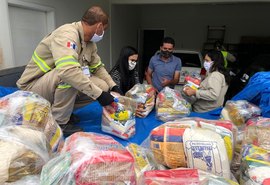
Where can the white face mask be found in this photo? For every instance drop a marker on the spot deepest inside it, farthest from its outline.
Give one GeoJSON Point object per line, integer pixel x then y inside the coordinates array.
{"type": "Point", "coordinates": [97, 37]}
{"type": "Point", "coordinates": [131, 65]}
{"type": "Point", "coordinates": [207, 65]}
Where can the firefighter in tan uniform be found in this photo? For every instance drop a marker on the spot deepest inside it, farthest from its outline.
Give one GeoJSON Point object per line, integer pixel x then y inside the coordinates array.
{"type": "Point", "coordinates": [65, 64]}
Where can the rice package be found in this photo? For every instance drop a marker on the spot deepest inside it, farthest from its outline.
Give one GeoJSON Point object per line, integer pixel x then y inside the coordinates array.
{"type": "Point", "coordinates": [23, 152]}
{"type": "Point", "coordinates": [239, 111]}
{"type": "Point", "coordinates": [144, 95]}
{"type": "Point", "coordinates": [119, 118]}
{"type": "Point", "coordinates": [166, 140]}
{"type": "Point", "coordinates": [166, 143]}
{"type": "Point", "coordinates": [225, 129]}
{"type": "Point", "coordinates": [170, 105]}
{"type": "Point", "coordinates": [31, 110]}
{"type": "Point", "coordinates": [90, 159]}
{"type": "Point", "coordinates": [205, 150]}
{"type": "Point", "coordinates": [184, 176]}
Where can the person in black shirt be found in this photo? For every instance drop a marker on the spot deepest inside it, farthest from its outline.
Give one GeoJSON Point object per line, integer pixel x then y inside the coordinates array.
{"type": "Point", "coordinates": [125, 73]}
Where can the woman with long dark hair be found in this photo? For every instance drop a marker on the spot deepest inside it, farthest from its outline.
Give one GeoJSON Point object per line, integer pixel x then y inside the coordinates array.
{"type": "Point", "coordinates": [213, 88]}
{"type": "Point", "coordinates": [125, 73]}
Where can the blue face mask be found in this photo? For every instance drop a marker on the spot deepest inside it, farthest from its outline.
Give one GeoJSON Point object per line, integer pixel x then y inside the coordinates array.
{"type": "Point", "coordinates": [96, 37]}
{"type": "Point", "coordinates": [207, 65]}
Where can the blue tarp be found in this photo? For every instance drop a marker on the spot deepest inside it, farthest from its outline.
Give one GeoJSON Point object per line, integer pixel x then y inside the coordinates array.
{"type": "Point", "coordinates": [257, 91]}
{"type": "Point", "coordinates": [90, 117]}
{"type": "Point", "coordinates": [7, 90]}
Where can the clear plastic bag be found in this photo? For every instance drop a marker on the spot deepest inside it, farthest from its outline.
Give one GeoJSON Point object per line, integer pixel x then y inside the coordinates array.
{"type": "Point", "coordinates": [257, 132]}
{"type": "Point", "coordinates": [255, 163]}
{"type": "Point", "coordinates": [144, 95]}
{"type": "Point", "coordinates": [27, 180]}
{"type": "Point", "coordinates": [167, 143]}
{"type": "Point", "coordinates": [194, 83]}
{"type": "Point", "coordinates": [23, 152]}
{"type": "Point", "coordinates": [184, 176]}
{"type": "Point", "coordinates": [119, 117]}
{"type": "Point", "coordinates": [33, 111]}
{"type": "Point", "coordinates": [254, 171]}
{"type": "Point", "coordinates": [239, 111]}
{"type": "Point", "coordinates": [89, 158]}
{"type": "Point", "coordinates": [258, 175]}
{"type": "Point", "coordinates": [144, 160]}
{"type": "Point", "coordinates": [170, 105]}
{"type": "Point", "coordinates": [206, 150]}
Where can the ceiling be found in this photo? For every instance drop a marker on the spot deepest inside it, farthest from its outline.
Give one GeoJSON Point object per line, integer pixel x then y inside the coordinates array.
{"type": "Point", "coordinates": [185, 1]}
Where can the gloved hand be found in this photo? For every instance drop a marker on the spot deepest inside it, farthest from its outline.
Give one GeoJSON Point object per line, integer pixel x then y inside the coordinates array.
{"type": "Point", "coordinates": [105, 98]}
{"type": "Point", "coordinates": [117, 89]}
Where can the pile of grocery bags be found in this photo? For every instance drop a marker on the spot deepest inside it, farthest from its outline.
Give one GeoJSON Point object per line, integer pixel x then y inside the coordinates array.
{"type": "Point", "coordinates": [182, 150]}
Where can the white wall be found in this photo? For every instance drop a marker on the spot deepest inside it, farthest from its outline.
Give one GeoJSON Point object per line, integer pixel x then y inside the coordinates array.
{"type": "Point", "coordinates": [66, 11]}
{"type": "Point", "coordinates": [124, 25]}
{"type": "Point", "coordinates": [185, 22]}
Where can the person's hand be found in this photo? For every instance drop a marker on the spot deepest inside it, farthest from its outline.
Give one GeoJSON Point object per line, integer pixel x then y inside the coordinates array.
{"type": "Point", "coordinates": [109, 109]}
{"type": "Point", "coordinates": [117, 90]}
{"type": "Point", "coordinates": [189, 91]}
{"type": "Point", "coordinates": [140, 110]}
{"type": "Point", "coordinates": [156, 90]}
{"type": "Point", "coordinates": [165, 82]}
{"type": "Point", "coordinates": [105, 98]}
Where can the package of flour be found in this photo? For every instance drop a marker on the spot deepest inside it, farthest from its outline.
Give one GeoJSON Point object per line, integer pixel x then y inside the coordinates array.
{"type": "Point", "coordinates": [205, 150]}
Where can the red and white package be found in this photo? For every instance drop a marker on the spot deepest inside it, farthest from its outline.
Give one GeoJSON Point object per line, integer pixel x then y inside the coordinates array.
{"type": "Point", "coordinates": [172, 177]}
{"type": "Point", "coordinates": [91, 159]}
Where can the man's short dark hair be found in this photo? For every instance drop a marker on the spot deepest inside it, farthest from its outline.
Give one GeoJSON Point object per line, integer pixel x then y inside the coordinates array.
{"type": "Point", "coordinates": [218, 44]}
{"type": "Point", "coordinates": [167, 40]}
{"type": "Point", "coordinates": [94, 15]}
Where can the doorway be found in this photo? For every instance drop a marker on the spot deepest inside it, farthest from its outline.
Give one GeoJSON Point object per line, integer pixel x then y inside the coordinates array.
{"type": "Point", "coordinates": [148, 44]}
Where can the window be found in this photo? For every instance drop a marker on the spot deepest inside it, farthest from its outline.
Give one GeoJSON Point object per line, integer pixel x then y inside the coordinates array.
{"type": "Point", "coordinates": [189, 59]}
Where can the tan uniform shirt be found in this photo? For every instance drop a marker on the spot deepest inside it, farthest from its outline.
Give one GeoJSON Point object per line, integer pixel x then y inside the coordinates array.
{"type": "Point", "coordinates": [211, 93]}
{"type": "Point", "coordinates": [66, 42]}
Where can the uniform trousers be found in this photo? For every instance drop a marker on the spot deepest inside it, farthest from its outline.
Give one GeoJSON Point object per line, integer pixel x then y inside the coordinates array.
{"type": "Point", "coordinates": [63, 100]}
